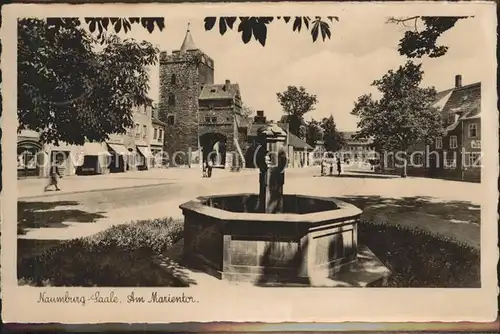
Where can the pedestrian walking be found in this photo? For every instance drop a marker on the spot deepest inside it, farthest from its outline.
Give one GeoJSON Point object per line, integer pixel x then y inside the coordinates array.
{"type": "Point", "coordinates": [323, 166]}
{"type": "Point", "coordinates": [204, 169]}
{"type": "Point", "coordinates": [210, 167]}
{"type": "Point", "coordinates": [339, 166]}
{"type": "Point", "coordinates": [331, 167]}
{"type": "Point", "coordinates": [54, 175]}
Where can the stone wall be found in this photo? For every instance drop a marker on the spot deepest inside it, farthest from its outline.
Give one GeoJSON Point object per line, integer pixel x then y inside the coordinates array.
{"type": "Point", "coordinates": [181, 77]}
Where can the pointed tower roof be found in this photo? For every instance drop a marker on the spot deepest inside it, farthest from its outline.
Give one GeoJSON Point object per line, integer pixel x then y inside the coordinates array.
{"type": "Point", "coordinates": [188, 43]}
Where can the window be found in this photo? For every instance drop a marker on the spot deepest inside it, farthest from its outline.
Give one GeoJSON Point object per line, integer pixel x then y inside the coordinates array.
{"type": "Point", "coordinates": [155, 136]}
{"type": "Point", "coordinates": [170, 120]}
{"type": "Point", "coordinates": [171, 100]}
{"type": "Point", "coordinates": [474, 160]}
{"type": "Point", "coordinates": [160, 137]}
{"type": "Point", "coordinates": [145, 131]}
{"type": "Point", "coordinates": [453, 142]}
{"type": "Point", "coordinates": [214, 119]}
{"type": "Point", "coordinates": [451, 117]}
{"type": "Point", "coordinates": [137, 129]}
{"type": "Point", "coordinates": [473, 130]}
{"type": "Point", "coordinates": [173, 79]}
{"type": "Point", "coordinates": [439, 142]}
{"type": "Point", "coordinates": [450, 163]}
{"type": "Point", "coordinates": [207, 119]}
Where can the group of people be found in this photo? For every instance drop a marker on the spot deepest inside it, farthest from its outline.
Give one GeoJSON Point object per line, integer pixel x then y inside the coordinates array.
{"type": "Point", "coordinates": [324, 166]}
{"type": "Point", "coordinates": [207, 167]}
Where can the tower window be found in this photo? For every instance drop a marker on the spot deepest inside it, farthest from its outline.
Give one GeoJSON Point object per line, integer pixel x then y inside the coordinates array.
{"type": "Point", "coordinates": [173, 79]}
{"type": "Point", "coordinates": [171, 100]}
{"type": "Point", "coordinates": [170, 119]}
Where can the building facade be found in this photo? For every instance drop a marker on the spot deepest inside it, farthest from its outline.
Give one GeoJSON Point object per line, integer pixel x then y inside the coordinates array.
{"type": "Point", "coordinates": [357, 151]}
{"type": "Point", "coordinates": [120, 153]}
{"type": "Point", "coordinates": [457, 154]}
{"type": "Point", "coordinates": [298, 151]}
{"type": "Point", "coordinates": [157, 136]}
{"type": "Point", "coordinates": [200, 116]}
{"type": "Point", "coordinates": [131, 151]}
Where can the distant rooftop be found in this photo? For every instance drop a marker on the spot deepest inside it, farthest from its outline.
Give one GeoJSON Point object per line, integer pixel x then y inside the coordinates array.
{"type": "Point", "coordinates": [219, 91]}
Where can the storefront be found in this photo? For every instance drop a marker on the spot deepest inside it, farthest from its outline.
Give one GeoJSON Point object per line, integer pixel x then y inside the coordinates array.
{"type": "Point", "coordinates": [121, 158]}
{"type": "Point", "coordinates": [95, 159]}
{"type": "Point", "coordinates": [142, 157]}
{"type": "Point", "coordinates": [30, 159]}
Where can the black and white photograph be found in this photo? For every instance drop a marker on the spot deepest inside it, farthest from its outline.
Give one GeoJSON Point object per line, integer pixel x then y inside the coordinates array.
{"type": "Point", "coordinates": [192, 151]}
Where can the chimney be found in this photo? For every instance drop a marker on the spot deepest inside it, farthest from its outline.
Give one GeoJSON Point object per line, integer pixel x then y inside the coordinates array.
{"type": "Point", "coordinates": [458, 81]}
{"type": "Point", "coordinates": [226, 85]}
{"type": "Point", "coordinates": [260, 118]}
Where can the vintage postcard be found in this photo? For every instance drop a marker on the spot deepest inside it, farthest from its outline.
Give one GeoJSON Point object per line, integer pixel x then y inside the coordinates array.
{"type": "Point", "coordinates": [270, 162]}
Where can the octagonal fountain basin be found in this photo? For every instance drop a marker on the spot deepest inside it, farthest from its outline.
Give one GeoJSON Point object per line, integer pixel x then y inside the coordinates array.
{"type": "Point", "coordinates": [228, 237]}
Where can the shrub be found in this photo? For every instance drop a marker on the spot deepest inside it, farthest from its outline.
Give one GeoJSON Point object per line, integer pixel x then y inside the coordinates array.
{"type": "Point", "coordinates": [123, 255]}
{"type": "Point", "coordinates": [418, 258]}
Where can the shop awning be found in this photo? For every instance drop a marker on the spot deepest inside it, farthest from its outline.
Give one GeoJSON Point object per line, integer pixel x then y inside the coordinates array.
{"type": "Point", "coordinates": [118, 148]}
{"type": "Point", "coordinates": [95, 149]}
{"type": "Point", "coordinates": [144, 150]}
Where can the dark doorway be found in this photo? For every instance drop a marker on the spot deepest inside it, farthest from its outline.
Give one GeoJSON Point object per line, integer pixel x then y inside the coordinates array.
{"type": "Point", "coordinates": [214, 148]}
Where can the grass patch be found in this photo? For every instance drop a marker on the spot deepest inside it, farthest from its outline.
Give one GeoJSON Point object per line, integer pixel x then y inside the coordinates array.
{"type": "Point", "coordinates": [418, 258]}
{"type": "Point", "coordinates": [123, 255]}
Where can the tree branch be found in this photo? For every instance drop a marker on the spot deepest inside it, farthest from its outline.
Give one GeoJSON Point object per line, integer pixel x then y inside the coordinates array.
{"type": "Point", "coordinates": [403, 21]}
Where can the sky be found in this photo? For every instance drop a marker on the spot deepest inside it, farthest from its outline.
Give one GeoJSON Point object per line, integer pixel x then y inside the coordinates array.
{"type": "Point", "coordinates": [338, 71]}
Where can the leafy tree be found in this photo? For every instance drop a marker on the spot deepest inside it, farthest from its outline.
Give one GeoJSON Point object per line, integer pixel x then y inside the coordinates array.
{"type": "Point", "coordinates": [403, 116]}
{"type": "Point", "coordinates": [296, 102]}
{"type": "Point", "coordinates": [417, 43]}
{"type": "Point", "coordinates": [314, 132]}
{"type": "Point", "coordinates": [68, 91]}
{"type": "Point", "coordinates": [333, 139]}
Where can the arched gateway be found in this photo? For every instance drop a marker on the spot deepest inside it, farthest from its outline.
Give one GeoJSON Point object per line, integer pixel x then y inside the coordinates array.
{"type": "Point", "coordinates": [214, 147]}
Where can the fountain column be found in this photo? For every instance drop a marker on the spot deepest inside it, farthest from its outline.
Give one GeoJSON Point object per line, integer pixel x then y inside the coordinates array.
{"type": "Point", "coordinates": [273, 160]}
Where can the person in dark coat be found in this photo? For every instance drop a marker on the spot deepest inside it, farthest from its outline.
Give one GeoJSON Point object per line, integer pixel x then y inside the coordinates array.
{"type": "Point", "coordinates": [210, 167]}
{"type": "Point", "coordinates": [54, 175]}
{"type": "Point", "coordinates": [339, 166]}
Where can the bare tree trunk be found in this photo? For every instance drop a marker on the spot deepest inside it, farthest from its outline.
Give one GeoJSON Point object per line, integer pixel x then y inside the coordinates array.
{"type": "Point", "coordinates": [405, 165]}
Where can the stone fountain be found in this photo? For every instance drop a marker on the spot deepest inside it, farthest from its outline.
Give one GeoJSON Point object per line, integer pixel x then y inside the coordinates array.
{"type": "Point", "coordinates": [272, 237]}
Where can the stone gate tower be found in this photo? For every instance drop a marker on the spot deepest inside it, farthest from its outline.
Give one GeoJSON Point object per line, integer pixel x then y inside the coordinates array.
{"type": "Point", "coordinates": [183, 74]}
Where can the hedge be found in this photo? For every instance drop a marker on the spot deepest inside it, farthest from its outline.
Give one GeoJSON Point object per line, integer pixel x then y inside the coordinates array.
{"type": "Point", "coordinates": [418, 258]}
{"type": "Point", "coordinates": [122, 255]}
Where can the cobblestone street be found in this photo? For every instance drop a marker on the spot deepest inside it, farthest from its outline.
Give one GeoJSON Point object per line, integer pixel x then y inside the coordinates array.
{"type": "Point", "coordinates": [452, 210]}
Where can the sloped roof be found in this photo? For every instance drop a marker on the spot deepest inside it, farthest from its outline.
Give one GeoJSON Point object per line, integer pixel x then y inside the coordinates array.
{"type": "Point", "coordinates": [188, 43]}
{"type": "Point", "coordinates": [293, 140]}
{"type": "Point", "coordinates": [466, 100]}
{"type": "Point", "coordinates": [218, 92]}
{"type": "Point", "coordinates": [296, 142]}
{"type": "Point", "coordinates": [349, 138]}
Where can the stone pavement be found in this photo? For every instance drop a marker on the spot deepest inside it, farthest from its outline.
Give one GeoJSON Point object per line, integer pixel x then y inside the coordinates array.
{"type": "Point", "coordinates": [30, 188]}
{"type": "Point", "coordinates": [445, 207]}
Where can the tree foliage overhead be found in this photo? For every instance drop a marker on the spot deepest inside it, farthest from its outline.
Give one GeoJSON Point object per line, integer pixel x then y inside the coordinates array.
{"type": "Point", "coordinates": [417, 43]}
{"type": "Point", "coordinates": [69, 91]}
{"type": "Point", "coordinates": [296, 102]}
{"type": "Point", "coordinates": [404, 115]}
{"type": "Point", "coordinates": [256, 26]}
